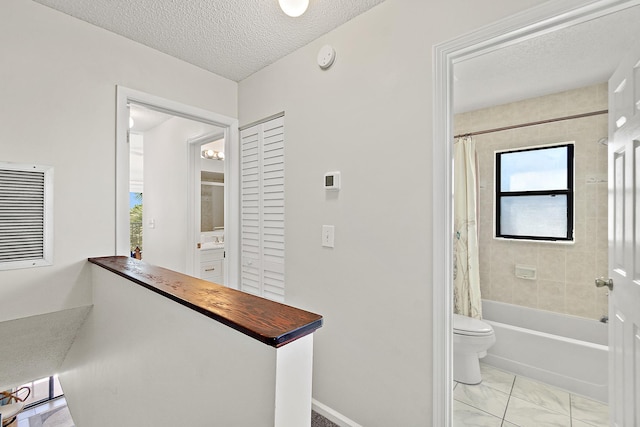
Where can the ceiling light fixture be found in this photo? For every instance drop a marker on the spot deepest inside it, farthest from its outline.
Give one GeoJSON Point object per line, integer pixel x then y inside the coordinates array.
{"type": "Point", "coordinates": [294, 8]}
{"type": "Point", "coordinates": [211, 154]}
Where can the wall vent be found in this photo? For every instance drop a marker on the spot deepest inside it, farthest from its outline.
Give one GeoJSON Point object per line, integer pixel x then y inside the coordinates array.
{"type": "Point", "coordinates": [26, 215]}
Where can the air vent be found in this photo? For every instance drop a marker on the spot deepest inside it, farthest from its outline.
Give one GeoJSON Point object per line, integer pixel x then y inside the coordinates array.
{"type": "Point", "coordinates": [25, 215]}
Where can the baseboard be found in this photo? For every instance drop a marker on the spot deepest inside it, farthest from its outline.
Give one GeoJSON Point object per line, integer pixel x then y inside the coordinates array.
{"type": "Point", "coordinates": [574, 385]}
{"type": "Point", "coordinates": [332, 415]}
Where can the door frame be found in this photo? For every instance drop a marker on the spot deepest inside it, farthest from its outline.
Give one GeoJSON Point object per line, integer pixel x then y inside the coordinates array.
{"type": "Point", "coordinates": [534, 22]}
{"type": "Point", "coordinates": [125, 96]}
{"type": "Point", "coordinates": [193, 198]}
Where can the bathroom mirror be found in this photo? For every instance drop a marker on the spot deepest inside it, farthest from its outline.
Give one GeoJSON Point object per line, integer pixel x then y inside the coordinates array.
{"type": "Point", "coordinates": [212, 201]}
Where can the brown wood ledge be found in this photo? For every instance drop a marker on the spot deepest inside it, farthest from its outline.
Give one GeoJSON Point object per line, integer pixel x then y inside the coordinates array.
{"type": "Point", "coordinates": [267, 321]}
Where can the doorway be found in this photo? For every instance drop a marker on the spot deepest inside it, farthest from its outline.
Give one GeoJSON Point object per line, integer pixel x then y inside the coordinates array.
{"type": "Point", "coordinates": [142, 124]}
{"type": "Point", "coordinates": [207, 207]}
{"type": "Point", "coordinates": [174, 174]}
{"type": "Point", "coordinates": [545, 19]}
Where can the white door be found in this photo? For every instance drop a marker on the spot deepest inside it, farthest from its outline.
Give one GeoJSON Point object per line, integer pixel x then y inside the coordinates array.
{"type": "Point", "coordinates": [624, 238]}
{"type": "Point", "coordinates": [262, 209]}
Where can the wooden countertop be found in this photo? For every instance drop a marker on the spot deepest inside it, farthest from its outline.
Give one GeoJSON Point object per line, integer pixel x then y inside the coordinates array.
{"type": "Point", "coordinates": [270, 322]}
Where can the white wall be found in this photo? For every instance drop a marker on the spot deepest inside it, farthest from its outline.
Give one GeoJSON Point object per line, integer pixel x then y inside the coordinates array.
{"type": "Point", "coordinates": [369, 116]}
{"type": "Point", "coordinates": [165, 191]}
{"type": "Point", "coordinates": [58, 92]}
{"type": "Point", "coordinates": [372, 108]}
{"type": "Point", "coordinates": [136, 162]}
{"type": "Point", "coordinates": [143, 360]}
{"type": "Point", "coordinates": [212, 165]}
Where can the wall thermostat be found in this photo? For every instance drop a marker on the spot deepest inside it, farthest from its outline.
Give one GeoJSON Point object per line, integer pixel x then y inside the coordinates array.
{"type": "Point", "coordinates": [332, 181]}
{"type": "Point", "coordinates": [326, 56]}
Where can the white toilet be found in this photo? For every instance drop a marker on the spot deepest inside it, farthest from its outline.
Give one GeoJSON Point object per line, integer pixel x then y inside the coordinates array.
{"type": "Point", "coordinates": [471, 339]}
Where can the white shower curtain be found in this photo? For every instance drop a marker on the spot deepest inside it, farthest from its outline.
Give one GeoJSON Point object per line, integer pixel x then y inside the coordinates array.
{"type": "Point", "coordinates": [466, 270]}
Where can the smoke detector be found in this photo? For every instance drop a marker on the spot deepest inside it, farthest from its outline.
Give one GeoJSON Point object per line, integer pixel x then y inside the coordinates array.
{"type": "Point", "coordinates": [326, 56]}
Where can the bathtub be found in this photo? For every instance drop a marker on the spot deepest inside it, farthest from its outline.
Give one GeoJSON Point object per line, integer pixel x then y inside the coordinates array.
{"type": "Point", "coordinates": [565, 351]}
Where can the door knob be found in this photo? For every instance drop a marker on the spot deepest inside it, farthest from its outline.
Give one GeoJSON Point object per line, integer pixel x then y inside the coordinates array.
{"type": "Point", "coordinates": [601, 281]}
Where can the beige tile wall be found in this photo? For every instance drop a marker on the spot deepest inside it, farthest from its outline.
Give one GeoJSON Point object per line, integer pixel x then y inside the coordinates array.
{"type": "Point", "coordinates": [565, 273]}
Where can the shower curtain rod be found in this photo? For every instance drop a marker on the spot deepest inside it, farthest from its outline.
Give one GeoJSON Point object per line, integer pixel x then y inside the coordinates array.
{"type": "Point", "coordinates": [540, 122]}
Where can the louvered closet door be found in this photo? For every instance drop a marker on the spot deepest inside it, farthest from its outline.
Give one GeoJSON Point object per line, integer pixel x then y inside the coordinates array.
{"type": "Point", "coordinates": [263, 209]}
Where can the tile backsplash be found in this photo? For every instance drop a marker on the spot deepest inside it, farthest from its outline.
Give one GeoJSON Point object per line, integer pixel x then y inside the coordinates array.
{"type": "Point", "coordinates": [565, 276]}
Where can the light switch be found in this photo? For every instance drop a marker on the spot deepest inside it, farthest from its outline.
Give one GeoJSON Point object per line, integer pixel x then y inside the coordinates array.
{"type": "Point", "coordinates": [328, 235]}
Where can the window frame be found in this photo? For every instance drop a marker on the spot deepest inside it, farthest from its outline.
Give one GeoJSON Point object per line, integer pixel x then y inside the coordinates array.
{"type": "Point", "coordinates": [569, 192]}
{"type": "Point", "coordinates": [51, 391]}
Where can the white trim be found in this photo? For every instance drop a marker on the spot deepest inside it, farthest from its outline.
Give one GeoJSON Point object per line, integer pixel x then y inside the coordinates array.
{"type": "Point", "coordinates": [232, 213]}
{"type": "Point", "coordinates": [193, 207]}
{"type": "Point", "coordinates": [294, 373]}
{"type": "Point", "coordinates": [47, 233]}
{"type": "Point", "coordinates": [542, 19]}
{"type": "Point", "coordinates": [332, 415]}
{"type": "Point", "coordinates": [206, 138]}
{"type": "Point", "coordinates": [124, 96]}
{"type": "Point", "coordinates": [442, 229]}
{"type": "Point", "coordinates": [263, 120]}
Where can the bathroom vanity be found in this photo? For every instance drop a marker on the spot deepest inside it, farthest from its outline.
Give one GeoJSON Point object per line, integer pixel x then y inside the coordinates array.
{"type": "Point", "coordinates": [212, 264]}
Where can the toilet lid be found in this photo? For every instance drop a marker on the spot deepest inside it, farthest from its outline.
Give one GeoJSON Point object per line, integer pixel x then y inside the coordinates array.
{"type": "Point", "coordinates": [469, 326]}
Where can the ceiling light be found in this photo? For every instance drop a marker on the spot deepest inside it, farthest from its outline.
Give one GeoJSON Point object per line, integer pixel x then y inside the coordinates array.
{"type": "Point", "coordinates": [213, 155]}
{"type": "Point", "coordinates": [294, 8]}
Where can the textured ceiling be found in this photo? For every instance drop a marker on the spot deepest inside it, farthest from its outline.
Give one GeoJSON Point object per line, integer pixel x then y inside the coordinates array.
{"type": "Point", "coordinates": [235, 38]}
{"type": "Point", "coordinates": [577, 56]}
{"type": "Point", "coordinates": [231, 38]}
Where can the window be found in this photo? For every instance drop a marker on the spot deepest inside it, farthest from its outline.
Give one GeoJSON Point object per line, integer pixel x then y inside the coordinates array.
{"type": "Point", "coordinates": [42, 391]}
{"type": "Point", "coordinates": [534, 193]}
{"type": "Point", "coordinates": [26, 215]}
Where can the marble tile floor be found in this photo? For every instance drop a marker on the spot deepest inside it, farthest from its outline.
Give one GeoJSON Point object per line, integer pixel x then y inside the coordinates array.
{"type": "Point", "coordinates": [507, 400]}
{"type": "Point", "coordinates": [501, 400]}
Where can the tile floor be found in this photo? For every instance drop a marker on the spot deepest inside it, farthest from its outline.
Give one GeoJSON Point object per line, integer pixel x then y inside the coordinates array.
{"type": "Point", "coordinates": [501, 400]}
{"type": "Point", "coordinates": [507, 400]}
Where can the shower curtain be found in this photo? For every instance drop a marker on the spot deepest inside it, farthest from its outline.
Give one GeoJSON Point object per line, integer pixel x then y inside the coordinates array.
{"type": "Point", "coordinates": [466, 273]}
